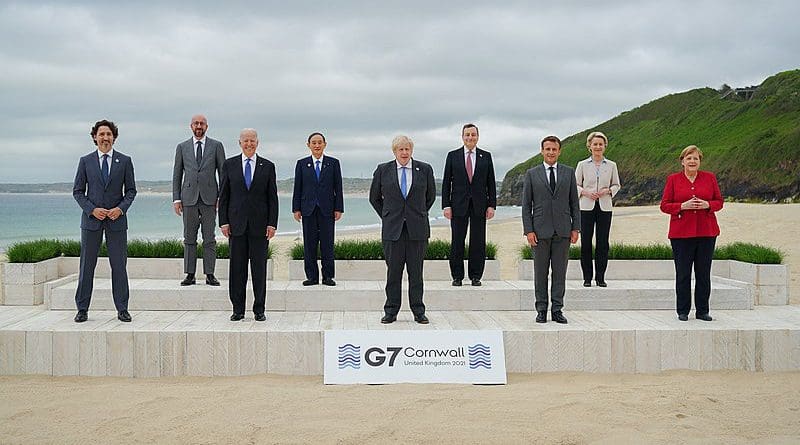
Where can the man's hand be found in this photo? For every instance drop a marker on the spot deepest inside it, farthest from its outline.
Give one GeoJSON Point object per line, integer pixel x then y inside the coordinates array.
{"type": "Point", "coordinates": [448, 213]}
{"type": "Point", "coordinates": [270, 232]}
{"type": "Point", "coordinates": [573, 236]}
{"type": "Point", "coordinates": [100, 213]}
{"type": "Point", "coordinates": [226, 230]}
{"type": "Point", "coordinates": [532, 239]}
{"type": "Point", "coordinates": [115, 213]}
{"type": "Point", "coordinates": [489, 213]}
{"type": "Point", "coordinates": [298, 216]}
{"type": "Point", "coordinates": [178, 207]}
{"type": "Point", "coordinates": [337, 216]}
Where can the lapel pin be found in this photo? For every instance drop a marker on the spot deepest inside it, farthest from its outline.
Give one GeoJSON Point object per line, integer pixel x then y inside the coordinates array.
{"type": "Point", "coordinates": [116, 160]}
{"type": "Point", "coordinates": [309, 165]}
{"type": "Point", "coordinates": [417, 169]}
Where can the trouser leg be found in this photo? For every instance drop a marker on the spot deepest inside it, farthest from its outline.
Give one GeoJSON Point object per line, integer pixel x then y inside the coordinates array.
{"type": "Point", "coordinates": [458, 235]}
{"type": "Point", "coordinates": [237, 280]}
{"type": "Point", "coordinates": [208, 223]}
{"type": "Point", "coordinates": [257, 252]}
{"type": "Point", "coordinates": [90, 248]}
{"type": "Point", "coordinates": [541, 270]}
{"type": "Point", "coordinates": [117, 243]}
{"type": "Point", "coordinates": [702, 273]}
{"type": "Point", "coordinates": [603, 223]}
{"type": "Point", "coordinates": [559, 257]}
{"type": "Point", "coordinates": [191, 223]}
{"type": "Point", "coordinates": [683, 252]}
{"type": "Point", "coordinates": [477, 245]}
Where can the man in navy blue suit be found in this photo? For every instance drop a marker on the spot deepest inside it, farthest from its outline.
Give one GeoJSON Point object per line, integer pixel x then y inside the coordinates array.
{"type": "Point", "coordinates": [317, 201]}
{"type": "Point", "coordinates": [104, 188]}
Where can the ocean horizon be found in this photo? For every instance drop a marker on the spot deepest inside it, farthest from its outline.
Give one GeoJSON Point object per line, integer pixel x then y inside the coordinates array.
{"type": "Point", "coordinates": [30, 216]}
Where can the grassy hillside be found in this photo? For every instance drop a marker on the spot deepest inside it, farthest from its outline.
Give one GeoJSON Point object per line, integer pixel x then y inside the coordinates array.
{"type": "Point", "coordinates": [753, 145]}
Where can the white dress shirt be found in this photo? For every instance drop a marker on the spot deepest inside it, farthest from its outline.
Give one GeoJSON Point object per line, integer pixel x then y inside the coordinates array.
{"type": "Point", "coordinates": [400, 175]}
{"type": "Point", "coordinates": [110, 158]}
{"type": "Point", "coordinates": [547, 171]}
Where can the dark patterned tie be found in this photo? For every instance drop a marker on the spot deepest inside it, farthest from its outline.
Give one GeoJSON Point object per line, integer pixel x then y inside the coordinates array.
{"type": "Point", "coordinates": [104, 169]}
{"type": "Point", "coordinates": [552, 180]}
{"type": "Point", "coordinates": [199, 152]}
{"type": "Point", "coordinates": [469, 165]}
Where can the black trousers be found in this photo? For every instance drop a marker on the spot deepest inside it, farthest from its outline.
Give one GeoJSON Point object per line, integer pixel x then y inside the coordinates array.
{"type": "Point", "coordinates": [477, 244]}
{"type": "Point", "coordinates": [602, 220]}
{"type": "Point", "coordinates": [698, 253]}
{"type": "Point", "coordinates": [318, 231]}
{"type": "Point", "coordinates": [409, 255]}
{"type": "Point", "coordinates": [244, 249]}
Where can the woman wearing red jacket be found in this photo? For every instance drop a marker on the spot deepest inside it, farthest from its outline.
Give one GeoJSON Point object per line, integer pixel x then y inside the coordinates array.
{"type": "Point", "coordinates": [691, 198]}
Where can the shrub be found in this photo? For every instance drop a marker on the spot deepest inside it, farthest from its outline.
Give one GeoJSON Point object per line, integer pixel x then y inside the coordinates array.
{"type": "Point", "coordinates": [745, 252]}
{"type": "Point", "coordinates": [373, 250]}
{"type": "Point", "coordinates": [40, 250]}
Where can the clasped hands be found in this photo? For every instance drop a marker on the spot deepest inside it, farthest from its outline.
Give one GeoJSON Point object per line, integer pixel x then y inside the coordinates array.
{"type": "Point", "coordinates": [112, 214]}
{"type": "Point", "coordinates": [694, 204]}
{"type": "Point", "coordinates": [596, 195]}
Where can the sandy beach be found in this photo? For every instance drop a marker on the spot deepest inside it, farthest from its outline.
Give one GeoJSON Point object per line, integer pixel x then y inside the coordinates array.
{"type": "Point", "coordinates": [558, 408]}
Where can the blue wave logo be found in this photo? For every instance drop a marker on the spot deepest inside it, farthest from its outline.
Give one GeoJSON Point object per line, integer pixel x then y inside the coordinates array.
{"type": "Point", "coordinates": [480, 356]}
{"type": "Point", "coordinates": [349, 356]}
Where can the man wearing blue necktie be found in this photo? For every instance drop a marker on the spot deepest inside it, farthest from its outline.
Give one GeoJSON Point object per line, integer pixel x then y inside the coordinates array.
{"type": "Point", "coordinates": [402, 192]}
{"type": "Point", "coordinates": [248, 216]}
{"type": "Point", "coordinates": [317, 202]}
{"type": "Point", "coordinates": [104, 188]}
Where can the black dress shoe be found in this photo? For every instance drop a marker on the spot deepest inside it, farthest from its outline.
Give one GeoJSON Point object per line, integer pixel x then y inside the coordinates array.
{"type": "Point", "coordinates": [237, 317]}
{"type": "Point", "coordinates": [541, 317]}
{"type": "Point", "coordinates": [601, 283]}
{"type": "Point", "coordinates": [704, 317]}
{"type": "Point", "coordinates": [386, 319]}
{"type": "Point", "coordinates": [81, 316]}
{"type": "Point", "coordinates": [310, 282]}
{"type": "Point", "coordinates": [683, 317]}
{"type": "Point", "coordinates": [457, 283]}
{"type": "Point", "coordinates": [558, 317]}
{"type": "Point", "coordinates": [189, 280]}
{"type": "Point", "coordinates": [261, 317]}
{"type": "Point", "coordinates": [422, 319]}
{"type": "Point", "coordinates": [587, 283]}
{"type": "Point", "coordinates": [476, 282]}
{"type": "Point", "coordinates": [211, 280]}
{"type": "Point", "coordinates": [124, 316]}
{"type": "Point", "coordinates": [328, 282]}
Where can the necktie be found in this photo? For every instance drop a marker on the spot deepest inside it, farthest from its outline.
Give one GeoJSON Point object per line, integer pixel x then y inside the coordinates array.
{"type": "Point", "coordinates": [403, 183]}
{"type": "Point", "coordinates": [248, 174]}
{"type": "Point", "coordinates": [552, 180]}
{"type": "Point", "coordinates": [469, 165]}
{"type": "Point", "coordinates": [104, 169]}
{"type": "Point", "coordinates": [317, 170]}
{"type": "Point", "coordinates": [199, 152]}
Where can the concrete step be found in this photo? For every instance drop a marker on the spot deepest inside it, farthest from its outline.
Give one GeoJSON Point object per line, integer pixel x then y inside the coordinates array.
{"type": "Point", "coordinates": [197, 343]}
{"type": "Point", "coordinates": [168, 295]}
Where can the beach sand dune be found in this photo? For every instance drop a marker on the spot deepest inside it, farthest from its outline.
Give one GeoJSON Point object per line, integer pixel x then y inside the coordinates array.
{"type": "Point", "coordinates": [561, 408]}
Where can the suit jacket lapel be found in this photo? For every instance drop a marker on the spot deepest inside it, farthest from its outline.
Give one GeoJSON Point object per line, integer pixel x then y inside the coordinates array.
{"type": "Point", "coordinates": [114, 170]}
{"type": "Point", "coordinates": [541, 172]}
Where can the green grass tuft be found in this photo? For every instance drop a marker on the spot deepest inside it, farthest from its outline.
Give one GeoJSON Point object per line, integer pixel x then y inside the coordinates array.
{"type": "Point", "coordinates": [373, 250]}
{"type": "Point", "coordinates": [745, 252]}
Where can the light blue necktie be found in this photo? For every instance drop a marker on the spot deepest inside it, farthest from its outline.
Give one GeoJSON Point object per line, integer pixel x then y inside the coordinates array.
{"type": "Point", "coordinates": [317, 170]}
{"type": "Point", "coordinates": [404, 183]}
{"type": "Point", "coordinates": [248, 174]}
{"type": "Point", "coordinates": [104, 169]}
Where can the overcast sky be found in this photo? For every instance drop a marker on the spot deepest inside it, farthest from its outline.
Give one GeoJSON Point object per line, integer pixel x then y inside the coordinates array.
{"type": "Point", "coordinates": [360, 72]}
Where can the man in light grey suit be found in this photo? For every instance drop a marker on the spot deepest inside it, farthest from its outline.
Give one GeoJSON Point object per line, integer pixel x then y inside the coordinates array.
{"type": "Point", "coordinates": [551, 219]}
{"type": "Point", "coordinates": [195, 191]}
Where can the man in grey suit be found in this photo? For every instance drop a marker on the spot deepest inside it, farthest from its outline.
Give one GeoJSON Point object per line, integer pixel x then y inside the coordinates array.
{"type": "Point", "coordinates": [104, 188]}
{"type": "Point", "coordinates": [195, 191]}
{"type": "Point", "coordinates": [551, 219]}
{"type": "Point", "coordinates": [402, 192]}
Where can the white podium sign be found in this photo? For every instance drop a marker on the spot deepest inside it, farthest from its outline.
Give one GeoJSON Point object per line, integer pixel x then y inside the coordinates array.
{"type": "Point", "coordinates": [414, 357]}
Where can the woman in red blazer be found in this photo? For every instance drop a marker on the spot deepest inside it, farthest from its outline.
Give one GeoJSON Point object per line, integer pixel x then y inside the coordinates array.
{"type": "Point", "coordinates": [691, 198]}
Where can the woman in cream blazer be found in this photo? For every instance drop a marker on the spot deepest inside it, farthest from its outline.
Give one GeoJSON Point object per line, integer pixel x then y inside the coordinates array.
{"type": "Point", "coordinates": [598, 183]}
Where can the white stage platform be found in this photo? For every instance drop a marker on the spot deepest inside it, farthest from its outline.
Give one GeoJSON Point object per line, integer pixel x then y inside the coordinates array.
{"type": "Point", "coordinates": [168, 295]}
{"type": "Point", "coordinates": [34, 340]}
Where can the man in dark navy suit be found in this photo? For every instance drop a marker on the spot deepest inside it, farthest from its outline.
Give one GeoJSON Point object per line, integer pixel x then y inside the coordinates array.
{"type": "Point", "coordinates": [317, 201]}
{"type": "Point", "coordinates": [104, 188]}
{"type": "Point", "coordinates": [469, 197]}
{"type": "Point", "coordinates": [248, 216]}
{"type": "Point", "coordinates": [402, 192]}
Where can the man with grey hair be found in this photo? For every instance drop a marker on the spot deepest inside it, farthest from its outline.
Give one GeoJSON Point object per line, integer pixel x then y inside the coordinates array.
{"type": "Point", "coordinates": [402, 192]}
{"type": "Point", "coordinates": [198, 160]}
{"type": "Point", "coordinates": [248, 217]}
